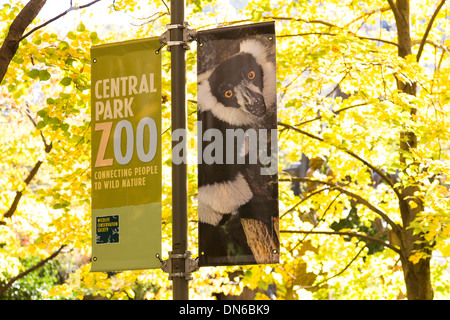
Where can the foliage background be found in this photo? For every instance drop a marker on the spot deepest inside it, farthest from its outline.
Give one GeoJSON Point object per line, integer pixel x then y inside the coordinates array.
{"type": "Point", "coordinates": [339, 104]}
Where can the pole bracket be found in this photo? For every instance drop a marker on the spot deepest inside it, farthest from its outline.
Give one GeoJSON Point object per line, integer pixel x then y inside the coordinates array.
{"type": "Point", "coordinates": [190, 265]}
{"type": "Point", "coordinates": [189, 35]}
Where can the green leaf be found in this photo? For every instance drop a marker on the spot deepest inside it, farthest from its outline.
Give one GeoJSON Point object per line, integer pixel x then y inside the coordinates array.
{"type": "Point", "coordinates": [18, 59]}
{"type": "Point", "coordinates": [81, 27]}
{"type": "Point", "coordinates": [63, 45]}
{"type": "Point", "coordinates": [66, 81]}
{"type": "Point", "coordinates": [54, 120]}
{"type": "Point", "coordinates": [44, 75]}
{"type": "Point", "coordinates": [33, 73]}
{"type": "Point", "coordinates": [65, 127]}
{"type": "Point", "coordinates": [42, 113]}
{"type": "Point", "coordinates": [40, 125]}
{"type": "Point", "coordinates": [71, 35]}
{"type": "Point", "coordinates": [94, 37]}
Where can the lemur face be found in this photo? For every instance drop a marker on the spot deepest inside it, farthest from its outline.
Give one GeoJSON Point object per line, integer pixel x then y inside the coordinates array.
{"type": "Point", "coordinates": [238, 83]}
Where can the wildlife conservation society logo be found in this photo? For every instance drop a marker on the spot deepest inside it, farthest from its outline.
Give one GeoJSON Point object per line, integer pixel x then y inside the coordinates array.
{"type": "Point", "coordinates": [107, 229]}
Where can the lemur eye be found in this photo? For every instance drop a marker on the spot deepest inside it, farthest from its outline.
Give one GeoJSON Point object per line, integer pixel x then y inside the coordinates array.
{"type": "Point", "coordinates": [228, 94]}
{"type": "Point", "coordinates": [251, 75]}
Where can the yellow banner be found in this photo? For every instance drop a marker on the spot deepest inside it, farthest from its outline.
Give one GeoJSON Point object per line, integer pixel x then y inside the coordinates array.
{"type": "Point", "coordinates": [126, 155]}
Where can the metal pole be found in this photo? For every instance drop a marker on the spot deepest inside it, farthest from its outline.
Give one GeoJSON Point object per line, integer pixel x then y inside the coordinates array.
{"type": "Point", "coordinates": [179, 172]}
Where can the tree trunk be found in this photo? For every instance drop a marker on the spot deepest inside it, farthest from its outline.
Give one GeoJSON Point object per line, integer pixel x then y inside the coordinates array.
{"type": "Point", "coordinates": [263, 241]}
{"type": "Point", "coordinates": [417, 275]}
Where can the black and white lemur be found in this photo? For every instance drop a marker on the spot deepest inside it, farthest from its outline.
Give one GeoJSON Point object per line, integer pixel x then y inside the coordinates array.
{"type": "Point", "coordinates": [237, 93]}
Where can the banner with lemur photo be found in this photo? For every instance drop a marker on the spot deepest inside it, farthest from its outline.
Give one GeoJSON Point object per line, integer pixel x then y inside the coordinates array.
{"type": "Point", "coordinates": [237, 146]}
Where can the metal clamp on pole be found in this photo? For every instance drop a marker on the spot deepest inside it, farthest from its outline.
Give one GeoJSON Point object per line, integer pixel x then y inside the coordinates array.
{"type": "Point", "coordinates": [190, 265]}
{"type": "Point", "coordinates": [189, 35]}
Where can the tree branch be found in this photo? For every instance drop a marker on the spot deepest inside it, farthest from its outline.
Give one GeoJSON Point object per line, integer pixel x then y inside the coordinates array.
{"type": "Point", "coordinates": [288, 126]}
{"type": "Point", "coordinates": [33, 172]}
{"type": "Point", "coordinates": [434, 44]}
{"type": "Point", "coordinates": [351, 153]}
{"type": "Point", "coordinates": [33, 268]}
{"type": "Point", "coordinates": [17, 28]}
{"type": "Point", "coordinates": [358, 198]}
{"type": "Point", "coordinates": [48, 146]}
{"type": "Point", "coordinates": [19, 194]}
{"type": "Point", "coordinates": [335, 34]}
{"type": "Point", "coordinates": [427, 31]}
{"type": "Point", "coordinates": [343, 270]}
{"type": "Point", "coordinates": [57, 17]}
{"type": "Point", "coordinates": [328, 24]}
{"type": "Point", "coordinates": [325, 23]}
{"type": "Point", "coordinates": [334, 112]}
{"type": "Point", "coordinates": [351, 234]}
{"type": "Point", "coordinates": [394, 8]}
{"type": "Point", "coordinates": [303, 200]}
{"type": "Point", "coordinates": [27, 181]}
{"type": "Point", "coordinates": [369, 13]}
